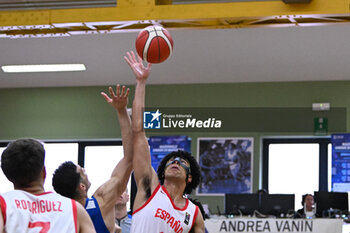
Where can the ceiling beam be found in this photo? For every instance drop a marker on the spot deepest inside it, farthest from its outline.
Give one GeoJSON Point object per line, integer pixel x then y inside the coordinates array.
{"type": "Point", "coordinates": [140, 12]}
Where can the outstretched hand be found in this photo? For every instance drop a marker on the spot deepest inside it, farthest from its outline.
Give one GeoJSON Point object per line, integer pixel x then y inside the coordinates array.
{"type": "Point", "coordinates": [119, 100]}
{"type": "Point", "coordinates": [141, 72]}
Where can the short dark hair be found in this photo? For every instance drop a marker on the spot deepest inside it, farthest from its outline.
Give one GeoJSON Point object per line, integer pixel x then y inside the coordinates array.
{"type": "Point", "coordinates": [22, 161]}
{"type": "Point", "coordinates": [66, 180]}
{"type": "Point", "coordinates": [304, 197]}
{"type": "Point", "coordinates": [195, 169]}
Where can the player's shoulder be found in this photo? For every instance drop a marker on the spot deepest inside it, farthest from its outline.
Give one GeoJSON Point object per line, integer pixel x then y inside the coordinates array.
{"type": "Point", "coordinates": [11, 192]}
{"type": "Point", "coordinates": [16, 194]}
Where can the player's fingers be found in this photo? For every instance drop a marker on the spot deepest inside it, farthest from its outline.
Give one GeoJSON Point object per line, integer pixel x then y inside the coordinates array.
{"type": "Point", "coordinates": [111, 92]}
{"type": "Point", "coordinates": [105, 96]}
{"type": "Point", "coordinates": [149, 66]}
{"type": "Point", "coordinates": [139, 59]}
{"type": "Point", "coordinates": [127, 93]}
{"type": "Point", "coordinates": [127, 60]}
{"type": "Point", "coordinates": [133, 56]}
{"type": "Point", "coordinates": [118, 90]}
{"type": "Point", "coordinates": [122, 92]}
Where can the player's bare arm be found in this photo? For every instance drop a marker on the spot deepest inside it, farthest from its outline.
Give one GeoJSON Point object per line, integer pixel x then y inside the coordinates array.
{"type": "Point", "coordinates": [108, 193]}
{"type": "Point", "coordinates": [198, 226]}
{"type": "Point", "coordinates": [145, 176]}
{"type": "Point", "coordinates": [85, 224]}
{"type": "Point", "coordinates": [113, 188]}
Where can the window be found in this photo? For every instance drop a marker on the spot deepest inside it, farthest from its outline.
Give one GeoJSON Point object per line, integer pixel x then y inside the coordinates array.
{"type": "Point", "coordinates": [295, 166]}
{"type": "Point", "coordinates": [99, 164]}
{"type": "Point", "coordinates": [56, 154]}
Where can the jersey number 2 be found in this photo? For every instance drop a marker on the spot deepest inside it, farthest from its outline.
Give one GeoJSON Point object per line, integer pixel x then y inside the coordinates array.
{"type": "Point", "coordinates": [45, 226]}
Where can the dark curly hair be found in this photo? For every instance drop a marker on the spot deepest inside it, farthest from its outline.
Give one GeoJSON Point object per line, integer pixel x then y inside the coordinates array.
{"type": "Point", "coordinates": [195, 169]}
{"type": "Point", "coordinates": [22, 161]}
{"type": "Point", "coordinates": [66, 180]}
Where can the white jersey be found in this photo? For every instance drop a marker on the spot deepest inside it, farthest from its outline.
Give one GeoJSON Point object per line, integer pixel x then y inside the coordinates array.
{"type": "Point", "coordinates": [160, 215]}
{"type": "Point", "coordinates": [48, 212]}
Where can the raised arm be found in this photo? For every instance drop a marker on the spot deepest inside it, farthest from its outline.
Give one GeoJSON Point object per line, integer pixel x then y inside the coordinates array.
{"type": "Point", "coordinates": [119, 101]}
{"type": "Point", "coordinates": [108, 193]}
{"type": "Point", "coordinates": [145, 176]}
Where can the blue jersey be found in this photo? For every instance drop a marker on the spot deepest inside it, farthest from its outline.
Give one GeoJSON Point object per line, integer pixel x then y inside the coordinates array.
{"type": "Point", "coordinates": [93, 209]}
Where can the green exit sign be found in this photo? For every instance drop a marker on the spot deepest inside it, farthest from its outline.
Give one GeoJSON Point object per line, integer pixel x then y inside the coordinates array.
{"type": "Point", "coordinates": [320, 126]}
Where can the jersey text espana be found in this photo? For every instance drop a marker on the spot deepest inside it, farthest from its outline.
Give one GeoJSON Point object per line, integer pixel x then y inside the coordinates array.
{"type": "Point", "coordinates": [160, 215]}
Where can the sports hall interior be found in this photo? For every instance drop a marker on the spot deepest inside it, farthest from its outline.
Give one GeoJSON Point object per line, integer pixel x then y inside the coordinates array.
{"type": "Point", "coordinates": [227, 54]}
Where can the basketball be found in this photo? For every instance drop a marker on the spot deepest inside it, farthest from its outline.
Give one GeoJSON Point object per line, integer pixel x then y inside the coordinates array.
{"type": "Point", "coordinates": [154, 44]}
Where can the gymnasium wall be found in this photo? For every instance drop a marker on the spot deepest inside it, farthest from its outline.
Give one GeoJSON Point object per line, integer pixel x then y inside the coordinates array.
{"type": "Point", "coordinates": [81, 112]}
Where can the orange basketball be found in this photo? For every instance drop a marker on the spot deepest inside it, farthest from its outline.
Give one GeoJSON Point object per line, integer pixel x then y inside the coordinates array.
{"type": "Point", "coordinates": [154, 44]}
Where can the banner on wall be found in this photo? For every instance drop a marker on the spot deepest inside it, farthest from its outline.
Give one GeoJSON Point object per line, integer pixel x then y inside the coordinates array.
{"type": "Point", "coordinates": [340, 162]}
{"type": "Point", "coordinates": [160, 146]}
{"type": "Point", "coordinates": [226, 165]}
{"type": "Point", "coordinates": [274, 225]}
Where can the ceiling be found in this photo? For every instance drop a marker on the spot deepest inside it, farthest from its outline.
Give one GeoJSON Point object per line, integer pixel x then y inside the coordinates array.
{"type": "Point", "coordinates": [53, 4]}
{"type": "Point", "coordinates": [199, 56]}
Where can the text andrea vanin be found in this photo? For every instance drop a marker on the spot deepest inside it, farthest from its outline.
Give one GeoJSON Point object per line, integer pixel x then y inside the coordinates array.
{"type": "Point", "coordinates": [266, 226]}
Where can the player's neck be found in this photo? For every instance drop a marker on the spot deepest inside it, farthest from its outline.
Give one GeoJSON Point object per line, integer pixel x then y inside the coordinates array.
{"type": "Point", "coordinates": [34, 188]}
{"type": "Point", "coordinates": [81, 197]}
{"type": "Point", "coordinates": [81, 200]}
{"type": "Point", "coordinates": [175, 189]}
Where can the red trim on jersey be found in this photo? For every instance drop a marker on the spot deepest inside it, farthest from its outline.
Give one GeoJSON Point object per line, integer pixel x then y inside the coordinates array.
{"type": "Point", "coordinates": [44, 193]}
{"type": "Point", "coordinates": [3, 208]}
{"type": "Point", "coordinates": [172, 202]}
{"type": "Point", "coordinates": [149, 199]}
{"type": "Point", "coordinates": [194, 217]}
{"type": "Point", "coordinates": [75, 215]}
